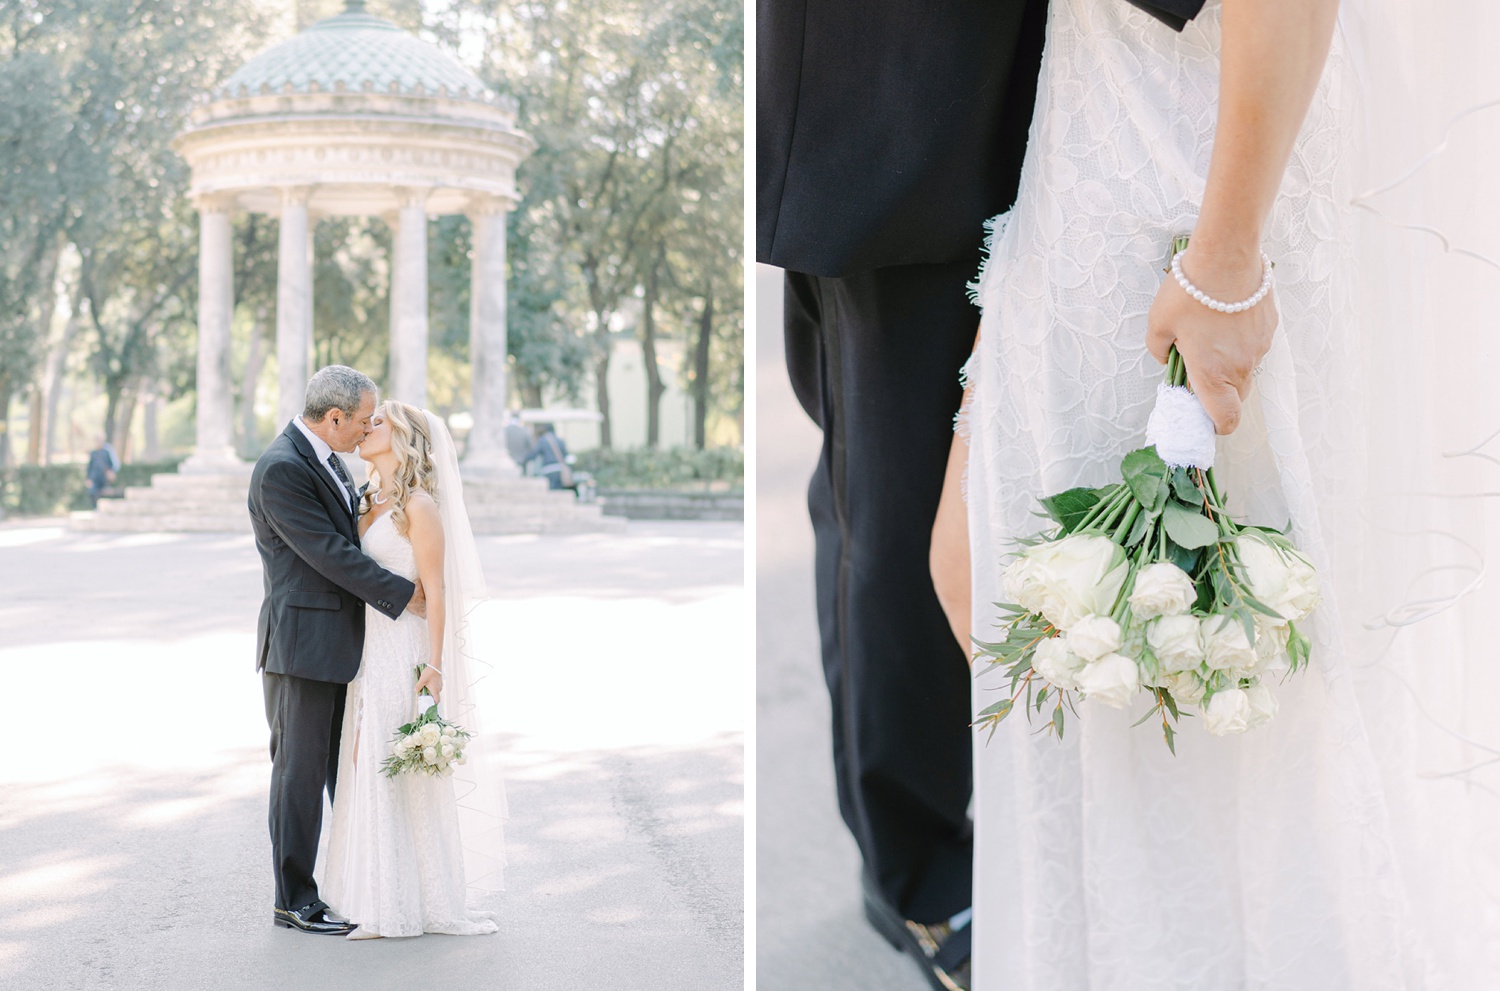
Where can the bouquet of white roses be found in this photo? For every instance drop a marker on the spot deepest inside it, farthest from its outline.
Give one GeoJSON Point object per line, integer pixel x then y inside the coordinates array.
{"type": "Point", "coordinates": [1148, 586]}
{"type": "Point", "coordinates": [429, 744]}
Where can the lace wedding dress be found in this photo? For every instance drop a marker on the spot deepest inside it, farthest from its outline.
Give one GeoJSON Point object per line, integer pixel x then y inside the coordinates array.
{"type": "Point", "coordinates": [1289, 857]}
{"type": "Point", "coordinates": [395, 862]}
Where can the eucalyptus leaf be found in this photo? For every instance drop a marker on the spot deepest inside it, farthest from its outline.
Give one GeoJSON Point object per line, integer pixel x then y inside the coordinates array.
{"type": "Point", "coordinates": [1057, 721]}
{"type": "Point", "coordinates": [999, 710]}
{"type": "Point", "coordinates": [1138, 532]}
{"type": "Point", "coordinates": [1188, 530]}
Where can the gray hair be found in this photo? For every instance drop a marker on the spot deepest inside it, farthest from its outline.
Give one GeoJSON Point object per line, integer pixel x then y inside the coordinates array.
{"type": "Point", "coordinates": [335, 387]}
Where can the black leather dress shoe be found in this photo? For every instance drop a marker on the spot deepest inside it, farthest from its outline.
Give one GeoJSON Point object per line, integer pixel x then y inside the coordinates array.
{"type": "Point", "coordinates": [311, 919]}
{"type": "Point", "coordinates": [939, 950]}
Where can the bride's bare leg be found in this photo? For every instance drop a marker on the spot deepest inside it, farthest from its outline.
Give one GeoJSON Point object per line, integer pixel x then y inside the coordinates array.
{"type": "Point", "coordinates": [949, 556]}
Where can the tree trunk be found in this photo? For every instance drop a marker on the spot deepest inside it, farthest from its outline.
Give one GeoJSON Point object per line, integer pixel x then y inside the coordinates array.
{"type": "Point", "coordinates": [57, 366]}
{"type": "Point", "coordinates": [654, 386]}
{"type": "Point", "coordinates": [700, 370]}
{"type": "Point", "coordinates": [5, 394]}
{"type": "Point", "coordinates": [46, 306]}
{"type": "Point", "coordinates": [150, 407]}
{"type": "Point", "coordinates": [34, 427]}
{"type": "Point", "coordinates": [125, 417]}
{"type": "Point", "coordinates": [601, 378]}
{"type": "Point", "coordinates": [601, 393]}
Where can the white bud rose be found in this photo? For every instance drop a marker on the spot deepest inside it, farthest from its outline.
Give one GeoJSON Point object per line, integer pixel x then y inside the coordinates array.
{"type": "Point", "coordinates": [1225, 646]}
{"type": "Point", "coordinates": [1094, 636]}
{"type": "Point", "coordinates": [448, 750]}
{"type": "Point", "coordinates": [1055, 662]}
{"type": "Point", "coordinates": [1262, 704]}
{"type": "Point", "coordinates": [1113, 679]}
{"type": "Point", "coordinates": [448, 731]}
{"type": "Point", "coordinates": [1282, 579]}
{"type": "Point", "coordinates": [1176, 641]}
{"type": "Point", "coordinates": [430, 755]}
{"type": "Point", "coordinates": [1162, 589]}
{"type": "Point", "coordinates": [1186, 687]}
{"type": "Point", "coordinates": [1077, 576]}
{"type": "Point", "coordinates": [1227, 712]}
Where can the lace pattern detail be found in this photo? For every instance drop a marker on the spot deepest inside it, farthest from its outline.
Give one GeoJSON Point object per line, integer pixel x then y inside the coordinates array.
{"type": "Point", "coordinates": [1262, 861]}
{"type": "Point", "coordinates": [395, 862]}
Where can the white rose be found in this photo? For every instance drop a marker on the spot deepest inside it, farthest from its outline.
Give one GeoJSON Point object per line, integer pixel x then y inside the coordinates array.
{"type": "Point", "coordinates": [1186, 687]}
{"type": "Point", "coordinates": [1283, 579]}
{"type": "Point", "coordinates": [1113, 679]}
{"type": "Point", "coordinates": [430, 755]}
{"type": "Point", "coordinates": [1262, 704]}
{"type": "Point", "coordinates": [1077, 576]}
{"type": "Point", "coordinates": [1176, 642]}
{"type": "Point", "coordinates": [1055, 662]}
{"type": "Point", "coordinates": [429, 734]}
{"type": "Point", "coordinates": [448, 750]}
{"type": "Point", "coordinates": [1021, 585]}
{"type": "Point", "coordinates": [1227, 712]}
{"type": "Point", "coordinates": [1225, 646]}
{"type": "Point", "coordinates": [1270, 647]}
{"type": "Point", "coordinates": [1094, 636]}
{"type": "Point", "coordinates": [1162, 589]}
{"type": "Point", "coordinates": [448, 731]}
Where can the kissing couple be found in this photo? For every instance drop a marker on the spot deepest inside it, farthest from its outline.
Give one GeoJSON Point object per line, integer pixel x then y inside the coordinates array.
{"type": "Point", "coordinates": [368, 594]}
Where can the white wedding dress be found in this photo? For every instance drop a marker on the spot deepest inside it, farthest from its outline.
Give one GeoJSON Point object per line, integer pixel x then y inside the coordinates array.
{"type": "Point", "coordinates": [395, 861]}
{"type": "Point", "coordinates": [1298, 855]}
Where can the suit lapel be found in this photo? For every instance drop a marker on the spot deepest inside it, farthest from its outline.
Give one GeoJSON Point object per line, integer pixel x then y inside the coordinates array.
{"type": "Point", "coordinates": [321, 471]}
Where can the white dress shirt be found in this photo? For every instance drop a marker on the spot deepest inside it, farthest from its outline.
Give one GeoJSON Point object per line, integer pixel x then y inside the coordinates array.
{"type": "Point", "coordinates": [321, 451]}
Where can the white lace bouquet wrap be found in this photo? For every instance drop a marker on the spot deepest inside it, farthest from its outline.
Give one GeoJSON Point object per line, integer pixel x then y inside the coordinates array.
{"type": "Point", "coordinates": [1148, 589]}
{"type": "Point", "coordinates": [429, 744]}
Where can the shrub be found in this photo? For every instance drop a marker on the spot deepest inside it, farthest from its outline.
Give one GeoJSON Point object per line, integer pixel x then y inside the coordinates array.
{"type": "Point", "coordinates": [47, 490]}
{"type": "Point", "coordinates": [668, 468]}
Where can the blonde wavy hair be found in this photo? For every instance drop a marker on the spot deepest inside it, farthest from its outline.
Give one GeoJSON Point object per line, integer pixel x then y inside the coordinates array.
{"type": "Point", "coordinates": [411, 443]}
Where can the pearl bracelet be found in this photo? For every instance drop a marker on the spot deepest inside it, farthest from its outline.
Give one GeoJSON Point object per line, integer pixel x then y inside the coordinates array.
{"type": "Point", "coordinates": [1214, 304]}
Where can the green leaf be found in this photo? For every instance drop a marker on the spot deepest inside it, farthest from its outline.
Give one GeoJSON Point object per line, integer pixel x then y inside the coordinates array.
{"type": "Point", "coordinates": [1146, 474]}
{"type": "Point", "coordinates": [1171, 703]}
{"type": "Point", "coordinates": [999, 710]}
{"type": "Point", "coordinates": [1057, 721]}
{"type": "Point", "coordinates": [1188, 530]}
{"type": "Point", "coordinates": [1185, 559]}
{"type": "Point", "coordinates": [1138, 532]}
{"type": "Point", "coordinates": [1070, 507]}
{"type": "Point", "coordinates": [1041, 697]}
{"type": "Point", "coordinates": [1184, 488]}
{"type": "Point", "coordinates": [1171, 735]}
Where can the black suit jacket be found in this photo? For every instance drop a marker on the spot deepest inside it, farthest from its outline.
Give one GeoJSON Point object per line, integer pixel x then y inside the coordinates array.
{"type": "Point", "coordinates": [317, 580]}
{"type": "Point", "coordinates": [888, 131]}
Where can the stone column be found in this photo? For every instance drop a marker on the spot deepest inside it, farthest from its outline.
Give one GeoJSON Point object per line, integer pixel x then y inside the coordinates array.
{"type": "Point", "coordinates": [293, 306]}
{"type": "Point", "coordinates": [214, 449]}
{"type": "Point", "coordinates": [409, 300]}
{"type": "Point", "coordinates": [486, 452]}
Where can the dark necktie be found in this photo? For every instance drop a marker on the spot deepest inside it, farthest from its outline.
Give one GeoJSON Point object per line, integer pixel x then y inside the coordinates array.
{"type": "Point", "coordinates": [337, 464]}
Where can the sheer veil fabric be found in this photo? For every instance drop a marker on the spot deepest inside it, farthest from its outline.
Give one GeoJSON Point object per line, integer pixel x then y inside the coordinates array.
{"type": "Point", "coordinates": [1351, 843]}
{"type": "Point", "coordinates": [478, 784]}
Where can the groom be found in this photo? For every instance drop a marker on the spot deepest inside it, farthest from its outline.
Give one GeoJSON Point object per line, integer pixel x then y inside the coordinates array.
{"type": "Point", "coordinates": [312, 621]}
{"type": "Point", "coordinates": [888, 132]}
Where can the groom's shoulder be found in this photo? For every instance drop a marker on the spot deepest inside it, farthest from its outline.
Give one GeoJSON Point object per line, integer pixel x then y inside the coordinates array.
{"type": "Point", "coordinates": [280, 454]}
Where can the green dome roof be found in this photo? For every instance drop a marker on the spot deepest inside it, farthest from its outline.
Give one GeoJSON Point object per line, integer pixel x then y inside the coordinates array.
{"type": "Point", "coordinates": [356, 49]}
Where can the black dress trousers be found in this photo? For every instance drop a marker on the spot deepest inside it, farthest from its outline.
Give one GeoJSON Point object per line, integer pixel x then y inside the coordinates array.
{"type": "Point", "coordinates": [874, 359]}
{"type": "Point", "coordinates": [306, 718]}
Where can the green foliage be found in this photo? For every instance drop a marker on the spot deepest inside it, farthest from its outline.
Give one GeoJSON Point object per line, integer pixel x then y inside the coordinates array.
{"type": "Point", "coordinates": [669, 468]}
{"type": "Point", "coordinates": [48, 490]}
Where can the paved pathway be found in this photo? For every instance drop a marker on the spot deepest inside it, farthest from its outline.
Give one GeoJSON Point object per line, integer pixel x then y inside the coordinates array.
{"type": "Point", "coordinates": [810, 933]}
{"type": "Point", "coordinates": [133, 846]}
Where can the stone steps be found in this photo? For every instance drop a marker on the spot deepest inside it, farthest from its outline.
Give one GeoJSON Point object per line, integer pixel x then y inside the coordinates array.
{"type": "Point", "coordinates": [197, 503]}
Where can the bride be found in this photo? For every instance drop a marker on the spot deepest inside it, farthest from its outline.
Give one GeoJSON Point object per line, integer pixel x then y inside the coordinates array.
{"type": "Point", "coordinates": [404, 852]}
{"type": "Point", "coordinates": [1316, 852]}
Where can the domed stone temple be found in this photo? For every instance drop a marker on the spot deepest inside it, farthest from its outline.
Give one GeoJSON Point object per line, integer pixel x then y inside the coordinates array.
{"type": "Point", "coordinates": [353, 116]}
